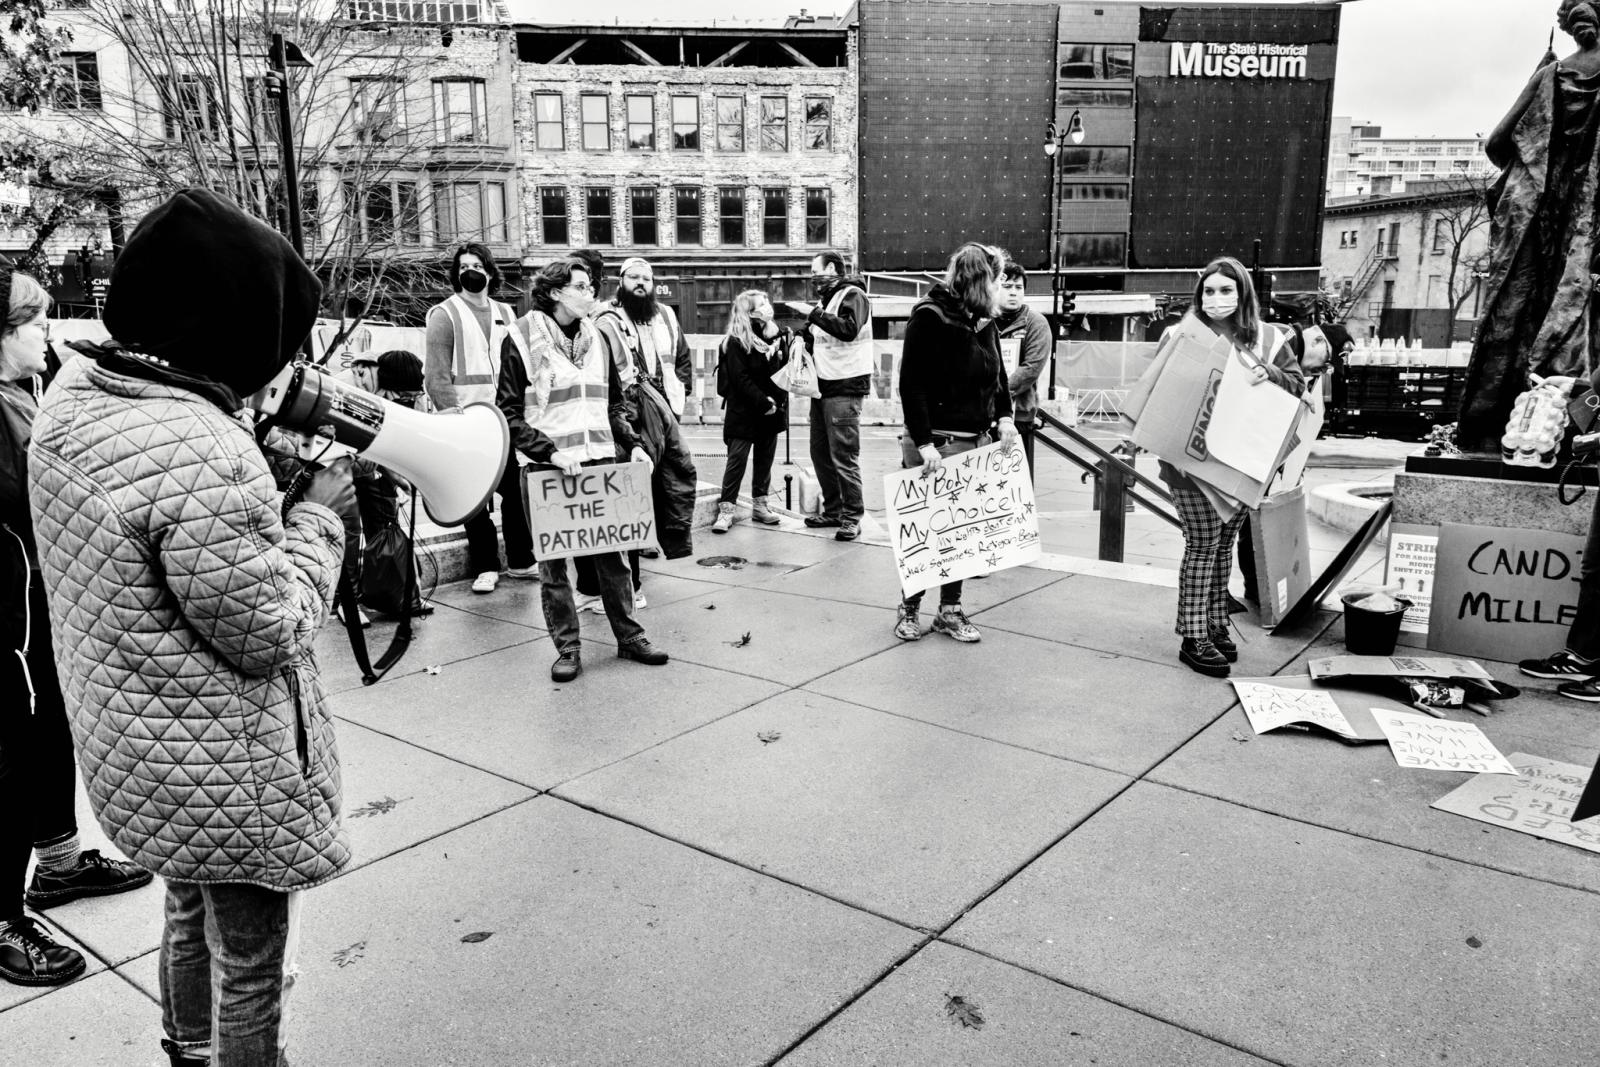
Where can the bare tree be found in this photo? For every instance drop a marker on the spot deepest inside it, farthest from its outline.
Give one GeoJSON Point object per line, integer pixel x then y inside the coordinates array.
{"type": "Point", "coordinates": [1460, 230]}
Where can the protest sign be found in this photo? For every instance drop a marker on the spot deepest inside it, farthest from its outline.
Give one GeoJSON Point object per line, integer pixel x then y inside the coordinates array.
{"type": "Point", "coordinates": [1410, 566]}
{"type": "Point", "coordinates": [604, 508]}
{"type": "Point", "coordinates": [1396, 667]}
{"type": "Point", "coordinates": [1439, 744]}
{"type": "Point", "coordinates": [1355, 705]}
{"type": "Point", "coordinates": [1539, 801]}
{"type": "Point", "coordinates": [1250, 422]}
{"type": "Point", "coordinates": [1503, 594]}
{"type": "Point", "coordinates": [974, 515]}
{"type": "Point", "coordinates": [1270, 706]}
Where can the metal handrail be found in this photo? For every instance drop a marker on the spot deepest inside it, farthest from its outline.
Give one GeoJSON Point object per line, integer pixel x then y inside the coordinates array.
{"type": "Point", "coordinates": [1120, 479]}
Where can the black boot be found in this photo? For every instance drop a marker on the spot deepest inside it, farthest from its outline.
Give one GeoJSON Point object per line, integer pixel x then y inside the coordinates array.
{"type": "Point", "coordinates": [1222, 641]}
{"type": "Point", "coordinates": [1202, 656]}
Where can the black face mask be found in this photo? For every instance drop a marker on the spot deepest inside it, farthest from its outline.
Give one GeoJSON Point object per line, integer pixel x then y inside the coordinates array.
{"type": "Point", "coordinates": [474, 281]}
{"type": "Point", "coordinates": [758, 327]}
{"type": "Point", "coordinates": [820, 282]}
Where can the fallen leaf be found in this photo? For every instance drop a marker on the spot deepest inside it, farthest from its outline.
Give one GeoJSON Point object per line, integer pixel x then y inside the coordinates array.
{"type": "Point", "coordinates": [711, 607]}
{"type": "Point", "coordinates": [1474, 942]}
{"type": "Point", "coordinates": [963, 1011]}
{"type": "Point", "coordinates": [1241, 738]}
{"type": "Point", "coordinates": [766, 737]}
{"type": "Point", "coordinates": [745, 640]}
{"type": "Point", "coordinates": [476, 936]}
{"type": "Point", "coordinates": [350, 953]}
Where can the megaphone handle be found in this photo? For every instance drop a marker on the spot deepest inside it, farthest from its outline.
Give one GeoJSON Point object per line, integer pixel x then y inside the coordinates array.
{"type": "Point", "coordinates": [297, 489]}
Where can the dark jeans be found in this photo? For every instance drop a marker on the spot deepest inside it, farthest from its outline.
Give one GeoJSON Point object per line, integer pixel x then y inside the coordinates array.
{"type": "Point", "coordinates": [37, 774]}
{"type": "Point", "coordinates": [1583, 639]}
{"type": "Point", "coordinates": [616, 592]}
{"type": "Point", "coordinates": [483, 548]}
{"type": "Point", "coordinates": [739, 450]}
{"type": "Point", "coordinates": [587, 582]}
{"type": "Point", "coordinates": [949, 592]}
{"type": "Point", "coordinates": [836, 455]}
{"type": "Point", "coordinates": [227, 965]}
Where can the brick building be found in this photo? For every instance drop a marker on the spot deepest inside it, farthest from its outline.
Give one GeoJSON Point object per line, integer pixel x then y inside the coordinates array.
{"type": "Point", "coordinates": [724, 155]}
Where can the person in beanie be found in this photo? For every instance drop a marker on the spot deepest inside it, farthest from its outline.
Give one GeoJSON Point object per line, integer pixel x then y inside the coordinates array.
{"type": "Point", "coordinates": [185, 600]}
{"type": "Point", "coordinates": [1024, 350]}
{"type": "Point", "coordinates": [38, 779]}
{"type": "Point", "coordinates": [953, 391]}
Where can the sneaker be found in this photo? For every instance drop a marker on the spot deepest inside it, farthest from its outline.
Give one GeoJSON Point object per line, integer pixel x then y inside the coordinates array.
{"type": "Point", "coordinates": [1222, 641]}
{"type": "Point", "coordinates": [524, 574]}
{"type": "Point", "coordinates": [641, 651]}
{"type": "Point", "coordinates": [761, 511]}
{"type": "Point", "coordinates": [953, 621]}
{"type": "Point", "coordinates": [725, 518]}
{"type": "Point", "coordinates": [1586, 690]}
{"type": "Point", "coordinates": [30, 956]}
{"type": "Point", "coordinates": [848, 531]}
{"type": "Point", "coordinates": [486, 582]}
{"type": "Point", "coordinates": [1201, 655]}
{"type": "Point", "coordinates": [94, 876]}
{"type": "Point", "coordinates": [584, 602]}
{"type": "Point", "coordinates": [906, 626]}
{"type": "Point", "coordinates": [566, 667]}
{"type": "Point", "coordinates": [638, 600]}
{"type": "Point", "coordinates": [822, 522]}
{"type": "Point", "coordinates": [1563, 666]}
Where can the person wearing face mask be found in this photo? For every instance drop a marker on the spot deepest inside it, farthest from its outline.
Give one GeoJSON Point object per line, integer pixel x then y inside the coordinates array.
{"type": "Point", "coordinates": [755, 409]}
{"type": "Point", "coordinates": [954, 394]}
{"type": "Point", "coordinates": [467, 338]}
{"type": "Point", "coordinates": [1225, 305]}
{"type": "Point", "coordinates": [559, 403]}
{"type": "Point", "coordinates": [37, 774]}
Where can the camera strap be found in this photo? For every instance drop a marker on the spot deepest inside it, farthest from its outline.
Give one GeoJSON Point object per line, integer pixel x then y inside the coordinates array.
{"type": "Point", "coordinates": [1561, 483]}
{"type": "Point", "coordinates": [349, 604]}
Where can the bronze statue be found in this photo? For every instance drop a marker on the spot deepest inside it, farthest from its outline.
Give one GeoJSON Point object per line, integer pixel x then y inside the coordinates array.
{"type": "Point", "coordinates": [1538, 299]}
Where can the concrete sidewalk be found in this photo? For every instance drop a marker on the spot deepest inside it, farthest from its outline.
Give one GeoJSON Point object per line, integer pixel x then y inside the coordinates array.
{"type": "Point", "coordinates": [826, 847]}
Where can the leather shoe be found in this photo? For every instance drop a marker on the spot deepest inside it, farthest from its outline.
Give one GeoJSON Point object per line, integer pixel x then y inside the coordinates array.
{"type": "Point", "coordinates": [640, 651]}
{"type": "Point", "coordinates": [30, 956]}
{"type": "Point", "coordinates": [567, 667]}
{"type": "Point", "coordinates": [1202, 656]}
{"type": "Point", "coordinates": [94, 876]}
{"type": "Point", "coordinates": [1222, 641]}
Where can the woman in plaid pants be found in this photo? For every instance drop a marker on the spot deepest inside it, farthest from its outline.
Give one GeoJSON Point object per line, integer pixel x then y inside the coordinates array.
{"type": "Point", "coordinates": [1225, 304]}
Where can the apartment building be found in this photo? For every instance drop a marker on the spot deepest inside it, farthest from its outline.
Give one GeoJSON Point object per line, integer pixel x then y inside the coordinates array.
{"type": "Point", "coordinates": [1363, 162]}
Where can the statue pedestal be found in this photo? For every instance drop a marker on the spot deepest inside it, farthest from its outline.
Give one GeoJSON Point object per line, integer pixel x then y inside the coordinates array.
{"type": "Point", "coordinates": [1480, 490]}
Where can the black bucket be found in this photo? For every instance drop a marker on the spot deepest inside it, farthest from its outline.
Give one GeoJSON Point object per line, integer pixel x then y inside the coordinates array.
{"type": "Point", "coordinates": [1371, 633]}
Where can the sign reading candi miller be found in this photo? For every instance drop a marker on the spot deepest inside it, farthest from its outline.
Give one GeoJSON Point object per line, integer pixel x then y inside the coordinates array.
{"type": "Point", "coordinates": [1248, 60]}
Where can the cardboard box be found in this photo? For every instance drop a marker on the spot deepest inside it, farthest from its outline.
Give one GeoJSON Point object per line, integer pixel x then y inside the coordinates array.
{"type": "Point", "coordinates": [1283, 553]}
{"type": "Point", "coordinates": [1175, 417]}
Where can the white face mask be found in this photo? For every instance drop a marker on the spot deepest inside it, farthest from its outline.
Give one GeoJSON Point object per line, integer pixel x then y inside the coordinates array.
{"type": "Point", "coordinates": [577, 302]}
{"type": "Point", "coordinates": [1219, 307]}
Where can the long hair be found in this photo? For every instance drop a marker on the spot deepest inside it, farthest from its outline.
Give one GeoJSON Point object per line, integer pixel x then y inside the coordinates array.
{"type": "Point", "coordinates": [739, 313]}
{"type": "Point", "coordinates": [971, 276]}
{"type": "Point", "coordinates": [28, 298]}
{"type": "Point", "coordinates": [484, 256]}
{"type": "Point", "coordinates": [551, 279]}
{"type": "Point", "coordinates": [1247, 320]}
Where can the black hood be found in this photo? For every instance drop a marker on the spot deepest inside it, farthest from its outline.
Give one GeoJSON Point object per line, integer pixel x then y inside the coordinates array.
{"type": "Point", "coordinates": [944, 303]}
{"type": "Point", "coordinates": [212, 291]}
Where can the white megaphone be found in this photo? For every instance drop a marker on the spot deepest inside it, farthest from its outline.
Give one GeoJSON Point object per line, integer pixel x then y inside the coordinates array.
{"type": "Point", "coordinates": [455, 460]}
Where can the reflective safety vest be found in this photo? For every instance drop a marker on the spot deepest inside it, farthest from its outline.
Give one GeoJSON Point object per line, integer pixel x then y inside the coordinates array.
{"type": "Point", "coordinates": [475, 363]}
{"type": "Point", "coordinates": [838, 359]}
{"type": "Point", "coordinates": [567, 403]}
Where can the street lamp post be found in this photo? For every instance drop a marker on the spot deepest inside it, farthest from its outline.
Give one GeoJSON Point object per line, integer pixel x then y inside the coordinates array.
{"type": "Point", "coordinates": [282, 56]}
{"type": "Point", "coordinates": [1061, 300]}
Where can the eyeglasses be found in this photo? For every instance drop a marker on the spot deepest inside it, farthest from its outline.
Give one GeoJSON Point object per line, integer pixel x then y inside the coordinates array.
{"type": "Point", "coordinates": [584, 288]}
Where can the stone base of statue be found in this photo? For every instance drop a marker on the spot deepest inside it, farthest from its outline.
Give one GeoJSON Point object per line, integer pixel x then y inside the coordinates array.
{"type": "Point", "coordinates": [1479, 490]}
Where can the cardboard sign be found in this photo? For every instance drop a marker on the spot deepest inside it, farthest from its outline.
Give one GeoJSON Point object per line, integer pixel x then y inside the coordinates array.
{"type": "Point", "coordinates": [1503, 594]}
{"type": "Point", "coordinates": [1539, 801]}
{"type": "Point", "coordinates": [1011, 353]}
{"type": "Point", "coordinates": [1410, 565]}
{"type": "Point", "coordinates": [1355, 706]}
{"type": "Point", "coordinates": [1250, 422]}
{"type": "Point", "coordinates": [975, 515]}
{"type": "Point", "coordinates": [1395, 667]}
{"type": "Point", "coordinates": [1439, 744]}
{"type": "Point", "coordinates": [604, 508]}
{"type": "Point", "coordinates": [1269, 707]}
{"type": "Point", "coordinates": [1282, 551]}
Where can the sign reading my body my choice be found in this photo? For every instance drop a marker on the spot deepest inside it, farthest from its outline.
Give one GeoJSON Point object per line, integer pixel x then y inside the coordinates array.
{"type": "Point", "coordinates": [1503, 594]}
{"type": "Point", "coordinates": [604, 508]}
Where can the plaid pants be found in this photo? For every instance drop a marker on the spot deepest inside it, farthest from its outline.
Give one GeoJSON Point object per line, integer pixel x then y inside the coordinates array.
{"type": "Point", "coordinates": [1207, 562]}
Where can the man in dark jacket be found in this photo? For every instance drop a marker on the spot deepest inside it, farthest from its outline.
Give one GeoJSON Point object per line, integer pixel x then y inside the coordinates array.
{"type": "Point", "coordinates": [839, 336]}
{"type": "Point", "coordinates": [1024, 350]}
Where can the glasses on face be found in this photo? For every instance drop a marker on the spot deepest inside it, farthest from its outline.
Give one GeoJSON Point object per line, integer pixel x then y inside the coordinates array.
{"type": "Point", "coordinates": [581, 287]}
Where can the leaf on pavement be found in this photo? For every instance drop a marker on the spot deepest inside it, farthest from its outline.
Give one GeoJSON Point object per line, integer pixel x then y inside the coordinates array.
{"type": "Point", "coordinates": [1241, 738]}
{"type": "Point", "coordinates": [745, 640]}
{"type": "Point", "coordinates": [963, 1011]}
{"type": "Point", "coordinates": [766, 737]}
{"type": "Point", "coordinates": [476, 936]}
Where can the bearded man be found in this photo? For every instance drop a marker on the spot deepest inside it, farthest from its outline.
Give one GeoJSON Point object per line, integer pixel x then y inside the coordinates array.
{"type": "Point", "coordinates": [1537, 316]}
{"type": "Point", "coordinates": [654, 370]}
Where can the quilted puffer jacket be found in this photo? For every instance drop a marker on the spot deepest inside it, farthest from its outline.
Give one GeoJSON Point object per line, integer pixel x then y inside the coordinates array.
{"type": "Point", "coordinates": [184, 610]}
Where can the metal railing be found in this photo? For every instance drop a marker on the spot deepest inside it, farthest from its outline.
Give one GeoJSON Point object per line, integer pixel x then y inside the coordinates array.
{"type": "Point", "coordinates": [1119, 482]}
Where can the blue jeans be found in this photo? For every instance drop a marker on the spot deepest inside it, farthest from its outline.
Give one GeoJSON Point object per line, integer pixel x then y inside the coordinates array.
{"type": "Point", "coordinates": [616, 593]}
{"type": "Point", "coordinates": [227, 965]}
{"type": "Point", "coordinates": [949, 592]}
{"type": "Point", "coordinates": [836, 455]}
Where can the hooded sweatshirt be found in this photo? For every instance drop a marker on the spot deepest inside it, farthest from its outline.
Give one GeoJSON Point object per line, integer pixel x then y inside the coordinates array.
{"type": "Point", "coordinates": [951, 377]}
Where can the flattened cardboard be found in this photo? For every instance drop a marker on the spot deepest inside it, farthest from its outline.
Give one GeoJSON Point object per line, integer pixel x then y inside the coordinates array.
{"type": "Point", "coordinates": [1440, 667]}
{"type": "Point", "coordinates": [1356, 704]}
{"type": "Point", "coordinates": [1539, 801]}
{"type": "Point", "coordinates": [1283, 553]}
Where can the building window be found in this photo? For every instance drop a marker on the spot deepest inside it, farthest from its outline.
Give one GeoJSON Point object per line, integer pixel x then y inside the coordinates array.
{"type": "Point", "coordinates": [553, 214]}
{"type": "Point", "coordinates": [377, 214]}
{"type": "Point", "coordinates": [1441, 236]}
{"type": "Point", "coordinates": [1097, 62]}
{"type": "Point", "coordinates": [1108, 162]}
{"type": "Point", "coordinates": [470, 211]}
{"type": "Point", "coordinates": [260, 113]}
{"type": "Point", "coordinates": [79, 86]}
{"type": "Point", "coordinates": [686, 123]}
{"type": "Point", "coordinates": [408, 212]}
{"type": "Point", "coordinates": [270, 196]}
{"type": "Point", "coordinates": [593, 109]}
{"type": "Point", "coordinates": [461, 109]}
{"type": "Point", "coordinates": [1353, 235]}
{"type": "Point", "coordinates": [817, 216]}
{"type": "Point", "coordinates": [549, 136]}
{"type": "Point", "coordinates": [643, 203]}
{"type": "Point", "coordinates": [775, 217]}
{"type": "Point", "coordinates": [642, 123]}
{"type": "Point", "coordinates": [774, 124]}
{"type": "Point", "coordinates": [378, 110]}
{"type": "Point", "coordinates": [1095, 98]}
{"type": "Point", "coordinates": [730, 214]}
{"type": "Point", "coordinates": [381, 213]}
{"type": "Point", "coordinates": [410, 11]}
{"type": "Point", "coordinates": [819, 123]}
{"type": "Point", "coordinates": [1343, 238]}
{"type": "Point", "coordinates": [1093, 191]}
{"type": "Point", "coordinates": [597, 209]}
{"type": "Point", "coordinates": [188, 106]}
{"type": "Point", "coordinates": [1093, 249]}
{"type": "Point", "coordinates": [686, 210]}
{"type": "Point", "coordinates": [730, 124]}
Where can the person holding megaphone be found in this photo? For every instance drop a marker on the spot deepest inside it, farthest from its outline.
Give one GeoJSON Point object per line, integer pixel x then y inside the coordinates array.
{"type": "Point", "coordinates": [558, 401]}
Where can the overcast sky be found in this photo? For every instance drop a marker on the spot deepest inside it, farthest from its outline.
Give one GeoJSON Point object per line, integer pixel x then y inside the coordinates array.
{"type": "Point", "coordinates": [1447, 68]}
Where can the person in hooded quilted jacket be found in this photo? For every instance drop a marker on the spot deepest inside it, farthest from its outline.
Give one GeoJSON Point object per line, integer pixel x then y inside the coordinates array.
{"type": "Point", "coordinates": [184, 603]}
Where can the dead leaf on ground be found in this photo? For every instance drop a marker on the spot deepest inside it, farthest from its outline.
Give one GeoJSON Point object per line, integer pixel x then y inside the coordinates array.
{"type": "Point", "coordinates": [1474, 942]}
{"type": "Point", "coordinates": [963, 1011]}
{"type": "Point", "coordinates": [350, 953]}
{"type": "Point", "coordinates": [766, 737]}
{"type": "Point", "coordinates": [710, 607]}
{"type": "Point", "coordinates": [476, 936]}
{"type": "Point", "coordinates": [1241, 738]}
{"type": "Point", "coordinates": [745, 640]}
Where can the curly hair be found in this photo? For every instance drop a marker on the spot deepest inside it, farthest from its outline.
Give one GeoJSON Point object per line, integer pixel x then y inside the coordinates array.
{"type": "Point", "coordinates": [551, 279]}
